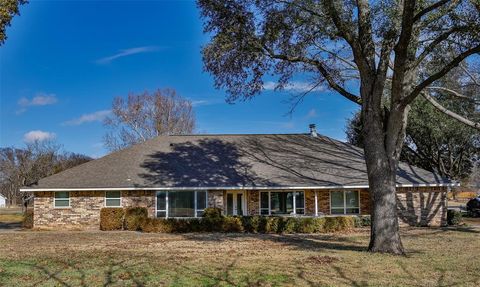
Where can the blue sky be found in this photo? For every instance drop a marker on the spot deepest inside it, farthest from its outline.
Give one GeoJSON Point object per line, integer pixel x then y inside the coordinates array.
{"type": "Point", "coordinates": [64, 62]}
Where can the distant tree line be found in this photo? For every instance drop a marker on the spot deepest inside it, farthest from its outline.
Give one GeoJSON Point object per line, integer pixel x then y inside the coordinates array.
{"type": "Point", "coordinates": [25, 166]}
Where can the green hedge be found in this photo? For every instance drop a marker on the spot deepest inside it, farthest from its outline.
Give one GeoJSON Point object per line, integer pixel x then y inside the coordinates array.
{"type": "Point", "coordinates": [111, 218]}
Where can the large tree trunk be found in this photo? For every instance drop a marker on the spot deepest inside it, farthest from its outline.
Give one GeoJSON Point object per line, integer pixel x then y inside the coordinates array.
{"type": "Point", "coordinates": [385, 235]}
{"type": "Point", "coordinates": [381, 156]}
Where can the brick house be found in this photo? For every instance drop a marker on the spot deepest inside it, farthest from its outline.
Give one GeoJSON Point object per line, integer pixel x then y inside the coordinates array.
{"type": "Point", "coordinates": [257, 174]}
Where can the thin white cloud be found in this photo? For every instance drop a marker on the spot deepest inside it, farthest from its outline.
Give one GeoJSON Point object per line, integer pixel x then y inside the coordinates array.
{"type": "Point", "coordinates": [312, 113]}
{"type": "Point", "coordinates": [38, 135]}
{"type": "Point", "coordinates": [88, 118]}
{"type": "Point", "coordinates": [127, 52]}
{"type": "Point", "coordinates": [40, 99]}
{"type": "Point", "coordinates": [294, 86]}
{"type": "Point", "coordinates": [200, 103]}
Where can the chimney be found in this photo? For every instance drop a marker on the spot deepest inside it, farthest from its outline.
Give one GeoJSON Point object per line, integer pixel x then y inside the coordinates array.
{"type": "Point", "coordinates": [313, 130]}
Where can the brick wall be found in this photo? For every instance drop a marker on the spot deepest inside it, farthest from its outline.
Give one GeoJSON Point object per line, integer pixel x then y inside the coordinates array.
{"type": "Point", "coordinates": [215, 199]}
{"type": "Point", "coordinates": [83, 213]}
{"type": "Point", "coordinates": [253, 202]}
{"type": "Point", "coordinates": [365, 202]}
{"type": "Point", "coordinates": [140, 198]}
{"type": "Point", "coordinates": [422, 206]}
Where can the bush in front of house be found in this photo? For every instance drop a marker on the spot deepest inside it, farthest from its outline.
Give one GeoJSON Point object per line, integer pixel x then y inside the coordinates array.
{"type": "Point", "coordinates": [111, 218]}
{"type": "Point", "coordinates": [134, 217]}
{"type": "Point", "coordinates": [362, 221]}
{"type": "Point", "coordinates": [338, 223]}
{"type": "Point", "coordinates": [232, 224]}
{"type": "Point", "coordinates": [157, 225]}
{"type": "Point", "coordinates": [27, 221]}
{"type": "Point", "coordinates": [454, 217]}
{"type": "Point", "coordinates": [212, 219]}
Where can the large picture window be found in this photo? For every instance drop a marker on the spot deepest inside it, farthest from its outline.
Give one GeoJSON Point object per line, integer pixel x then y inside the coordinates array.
{"type": "Point", "coordinates": [282, 203]}
{"type": "Point", "coordinates": [181, 203]}
{"type": "Point", "coordinates": [113, 199]}
{"type": "Point", "coordinates": [344, 202]}
{"type": "Point", "coordinates": [62, 199]}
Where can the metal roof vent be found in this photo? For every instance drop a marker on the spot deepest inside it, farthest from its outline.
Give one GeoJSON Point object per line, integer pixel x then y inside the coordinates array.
{"type": "Point", "coordinates": [313, 130]}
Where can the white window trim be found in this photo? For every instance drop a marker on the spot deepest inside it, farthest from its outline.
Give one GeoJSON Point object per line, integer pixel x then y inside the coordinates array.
{"type": "Point", "coordinates": [63, 199]}
{"type": "Point", "coordinates": [344, 203]}
{"type": "Point", "coordinates": [114, 206]}
{"type": "Point", "coordinates": [270, 205]}
{"type": "Point", "coordinates": [166, 203]}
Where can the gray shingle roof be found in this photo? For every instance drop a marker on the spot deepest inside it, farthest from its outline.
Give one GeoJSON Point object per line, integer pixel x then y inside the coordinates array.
{"type": "Point", "coordinates": [215, 161]}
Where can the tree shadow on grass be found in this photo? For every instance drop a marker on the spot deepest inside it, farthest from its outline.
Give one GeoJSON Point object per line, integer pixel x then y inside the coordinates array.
{"type": "Point", "coordinates": [114, 267]}
{"type": "Point", "coordinates": [308, 242]}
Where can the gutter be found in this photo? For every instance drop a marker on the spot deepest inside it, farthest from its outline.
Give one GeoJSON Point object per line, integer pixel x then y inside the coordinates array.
{"type": "Point", "coordinates": [452, 184]}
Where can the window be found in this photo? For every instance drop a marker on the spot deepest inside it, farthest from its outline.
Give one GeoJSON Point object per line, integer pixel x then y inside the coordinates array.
{"type": "Point", "coordinates": [344, 202]}
{"type": "Point", "coordinates": [282, 202]}
{"type": "Point", "coordinates": [181, 203]}
{"type": "Point", "coordinates": [62, 199]}
{"type": "Point", "coordinates": [113, 199]}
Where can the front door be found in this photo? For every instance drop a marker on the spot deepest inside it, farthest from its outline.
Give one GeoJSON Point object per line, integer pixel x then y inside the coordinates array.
{"type": "Point", "coordinates": [235, 203]}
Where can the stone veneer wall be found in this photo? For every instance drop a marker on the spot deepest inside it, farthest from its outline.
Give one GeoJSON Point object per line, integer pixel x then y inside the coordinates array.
{"type": "Point", "coordinates": [215, 199]}
{"type": "Point", "coordinates": [253, 202]}
{"type": "Point", "coordinates": [84, 210]}
{"type": "Point", "coordinates": [140, 198]}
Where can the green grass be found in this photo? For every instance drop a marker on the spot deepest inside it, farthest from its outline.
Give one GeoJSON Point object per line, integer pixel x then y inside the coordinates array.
{"type": "Point", "coordinates": [435, 257]}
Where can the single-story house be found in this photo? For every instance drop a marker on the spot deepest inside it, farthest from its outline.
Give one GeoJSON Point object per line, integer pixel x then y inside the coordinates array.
{"type": "Point", "coordinates": [243, 174]}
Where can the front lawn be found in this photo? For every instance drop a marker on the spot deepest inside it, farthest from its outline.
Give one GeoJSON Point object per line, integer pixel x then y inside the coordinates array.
{"type": "Point", "coordinates": [435, 257]}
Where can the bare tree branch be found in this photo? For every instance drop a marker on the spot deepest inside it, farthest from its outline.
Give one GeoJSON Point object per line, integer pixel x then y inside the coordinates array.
{"type": "Point", "coordinates": [451, 114]}
{"type": "Point", "coordinates": [328, 77]}
{"type": "Point", "coordinates": [447, 68]}
{"type": "Point", "coordinates": [453, 92]}
{"type": "Point", "coordinates": [428, 49]}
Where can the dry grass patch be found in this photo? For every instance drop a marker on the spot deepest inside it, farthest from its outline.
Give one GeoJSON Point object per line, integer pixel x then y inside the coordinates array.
{"type": "Point", "coordinates": [436, 257]}
{"type": "Point", "coordinates": [11, 218]}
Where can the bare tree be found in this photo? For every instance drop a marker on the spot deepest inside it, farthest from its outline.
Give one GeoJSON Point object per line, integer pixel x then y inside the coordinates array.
{"type": "Point", "coordinates": [22, 167]}
{"type": "Point", "coordinates": [145, 116]}
{"type": "Point", "coordinates": [359, 49]}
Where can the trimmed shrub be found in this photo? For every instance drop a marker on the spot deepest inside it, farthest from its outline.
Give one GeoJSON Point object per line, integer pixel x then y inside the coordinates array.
{"type": "Point", "coordinates": [362, 221]}
{"type": "Point", "coordinates": [156, 225]}
{"type": "Point", "coordinates": [454, 217]}
{"type": "Point", "coordinates": [273, 224]}
{"type": "Point", "coordinates": [212, 212]}
{"type": "Point", "coordinates": [319, 224]}
{"type": "Point", "coordinates": [111, 218]}
{"type": "Point", "coordinates": [212, 219]}
{"type": "Point", "coordinates": [289, 225]}
{"type": "Point", "coordinates": [339, 223]}
{"type": "Point", "coordinates": [232, 224]}
{"type": "Point", "coordinates": [27, 221]}
{"type": "Point", "coordinates": [251, 224]}
{"type": "Point", "coordinates": [305, 225]}
{"type": "Point", "coordinates": [134, 216]}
